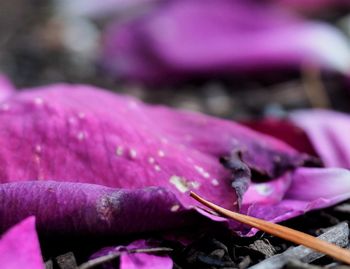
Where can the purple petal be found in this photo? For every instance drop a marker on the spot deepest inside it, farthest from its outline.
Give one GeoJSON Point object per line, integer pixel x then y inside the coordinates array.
{"type": "Point", "coordinates": [271, 192]}
{"type": "Point", "coordinates": [136, 260]}
{"type": "Point", "coordinates": [83, 134]}
{"type": "Point", "coordinates": [309, 189]}
{"type": "Point", "coordinates": [313, 5]}
{"type": "Point", "coordinates": [328, 133]}
{"type": "Point", "coordinates": [285, 130]}
{"type": "Point", "coordinates": [195, 37]}
{"type": "Point", "coordinates": [145, 261]}
{"type": "Point", "coordinates": [19, 247]}
{"type": "Point", "coordinates": [88, 209]}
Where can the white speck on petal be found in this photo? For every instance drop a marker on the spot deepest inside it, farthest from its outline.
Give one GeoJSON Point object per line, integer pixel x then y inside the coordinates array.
{"type": "Point", "coordinates": [180, 183]}
{"type": "Point", "coordinates": [201, 171]}
{"type": "Point", "coordinates": [161, 153]}
{"type": "Point", "coordinates": [263, 189]}
{"type": "Point", "coordinates": [157, 168]}
{"type": "Point", "coordinates": [71, 120]}
{"type": "Point", "coordinates": [38, 149]}
{"type": "Point", "coordinates": [119, 151]}
{"type": "Point", "coordinates": [194, 184]}
{"type": "Point", "coordinates": [206, 175]}
{"type": "Point", "coordinates": [151, 160]}
{"type": "Point", "coordinates": [174, 208]}
{"type": "Point", "coordinates": [133, 153]}
{"type": "Point", "coordinates": [81, 135]}
{"type": "Point", "coordinates": [38, 101]}
{"type": "Point", "coordinates": [215, 182]}
{"type": "Point", "coordinates": [81, 115]}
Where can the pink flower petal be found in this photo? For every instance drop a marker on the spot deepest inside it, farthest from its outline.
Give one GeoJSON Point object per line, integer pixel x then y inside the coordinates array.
{"type": "Point", "coordinates": [136, 260]}
{"type": "Point", "coordinates": [88, 209]}
{"type": "Point", "coordinates": [180, 39]}
{"type": "Point", "coordinates": [19, 247]}
{"type": "Point", "coordinates": [321, 133]}
{"type": "Point", "coordinates": [285, 130]}
{"type": "Point", "coordinates": [82, 134]}
{"type": "Point", "coordinates": [328, 133]}
{"type": "Point", "coordinates": [313, 5]}
{"type": "Point", "coordinates": [309, 189]}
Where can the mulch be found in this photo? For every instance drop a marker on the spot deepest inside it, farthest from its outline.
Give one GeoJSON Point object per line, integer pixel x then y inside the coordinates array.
{"type": "Point", "coordinates": [30, 56]}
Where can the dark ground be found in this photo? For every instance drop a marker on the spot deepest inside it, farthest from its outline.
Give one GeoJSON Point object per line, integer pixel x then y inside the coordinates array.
{"type": "Point", "coordinates": [32, 53]}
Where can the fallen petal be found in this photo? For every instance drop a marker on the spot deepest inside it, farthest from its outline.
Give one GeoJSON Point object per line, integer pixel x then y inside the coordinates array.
{"type": "Point", "coordinates": [19, 247]}
{"type": "Point", "coordinates": [313, 5]}
{"type": "Point", "coordinates": [327, 132]}
{"type": "Point", "coordinates": [135, 255]}
{"type": "Point", "coordinates": [88, 209]}
{"type": "Point", "coordinates": [182, 39]}
{"type": "Point", "coordinates": [321, 133]}
{"type": "Point", "coordinates": [285, 130]}
{"type": "Point", "coordinates": [84, 134]}
{"type": "Point", "coordinates": [310, 189]}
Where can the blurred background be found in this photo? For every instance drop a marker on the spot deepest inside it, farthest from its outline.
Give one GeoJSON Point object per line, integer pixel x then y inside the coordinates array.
{"type": "Point", "coordinates": [228, 58]}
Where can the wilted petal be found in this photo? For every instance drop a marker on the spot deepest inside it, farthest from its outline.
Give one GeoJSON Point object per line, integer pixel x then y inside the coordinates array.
{"type": "Point", "coordinates": [310, 189]}
{"type": "Point", "coordinates": [328, 132]}
{"type": "Point", "coordinates": [136, 260]}
{"type": "Point", "coordinates": [322, 187]}
{"type": "Point", "coordinates": [313, 5]}
{"type": "Point", "coordinates": [270, 192]}
{"type": "Point", "coordinates": [196, 37]}
{"type": "Point", "coordinates": [19, 247]}
{"type": "Point", "coordinates": [88, 209]}
{"type": "Point", "coordinates": [285, 130]}
{"type": "Point", "coordinates": [83, 134]}
{"type": "Point", "coordinates": [321, 133]}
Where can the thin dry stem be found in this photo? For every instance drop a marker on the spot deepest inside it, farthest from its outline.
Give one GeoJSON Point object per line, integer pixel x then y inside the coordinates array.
{"type": "Point", "coordinates": [281, 232]}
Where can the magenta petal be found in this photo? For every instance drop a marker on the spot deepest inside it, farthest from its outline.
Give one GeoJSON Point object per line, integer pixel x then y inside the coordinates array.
{"type": "Point", "coordinates": [328, 133]}
{"type": "Point", "coordinates": [136, 260]}
{"type": "Point", "coordinates": [313, 5]}
{"type": "Point", "coordinates": [270, 192]}
{"type": "Point", "coordinates": [310, 188]}
{"type": "Point", "coordinates": [84, 134]}
{"type": "Point", "coordinates": [6, 90]}
{"type": "Point", "coordinates": [319, 187]}
{"type": "Point", "coordinates": [322, 133]}
{"type": "Point", "coordinates": [81, 209]}
{"type": "Point", "coordinates": [144, 261]}
{"type": "Point", "coordinates": [200, 37]}
{"type": "Point", "coordinates": [19, 247]}
{"type": "Point", "coordinates": [285, 130]}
